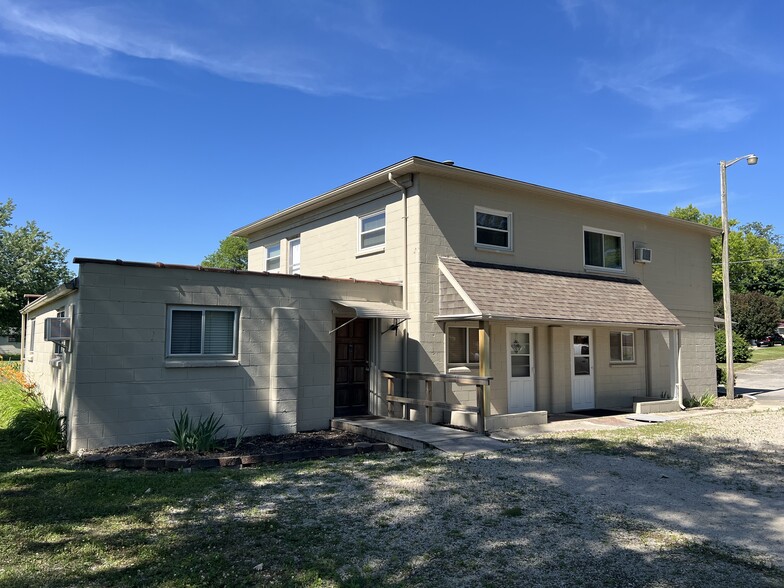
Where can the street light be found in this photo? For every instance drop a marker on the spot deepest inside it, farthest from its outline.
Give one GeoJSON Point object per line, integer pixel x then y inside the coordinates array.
{"type": "Point", "coordinates": [751, 159]}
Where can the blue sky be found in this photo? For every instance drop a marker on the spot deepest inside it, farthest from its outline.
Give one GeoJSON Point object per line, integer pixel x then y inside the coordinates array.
{"type": "Point", "coordinates": [149, 130]}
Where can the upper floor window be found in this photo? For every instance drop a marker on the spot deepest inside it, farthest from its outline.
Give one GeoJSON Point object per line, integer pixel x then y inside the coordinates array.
{"type": "Point", "coordinates": [372, 231]}
{"type": "Point", "coordinates": [294, 256]}
{"type": "Point", "coordinates": [462, 345]}
{"type": "Point", "coordinates": [603, 249]}
{"type": "Point", "coordinates": [622, 346]}
{"type": "Point", "coordinates": [272, 263]}
{"type": "Point", "coordinates": [202, 331]}
{"type": "Point", "coordinates": [492, 228]}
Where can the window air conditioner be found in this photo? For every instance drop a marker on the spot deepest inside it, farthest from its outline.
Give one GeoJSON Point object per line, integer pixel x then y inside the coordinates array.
{"type": "Point", "coordinates": [642, 255]}
{"type": "Point", "coordinates": [57, 329]}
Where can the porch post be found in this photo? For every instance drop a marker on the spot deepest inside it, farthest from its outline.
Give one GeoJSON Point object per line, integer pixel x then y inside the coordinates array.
{"type": "Point", "coordinates": [676, 375]}
{"type": "Point", "coordinates": [484, 369]}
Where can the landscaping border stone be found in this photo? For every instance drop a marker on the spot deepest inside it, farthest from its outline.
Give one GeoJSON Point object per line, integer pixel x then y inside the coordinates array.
{"type": "Point", "coordinates": [134, 462]}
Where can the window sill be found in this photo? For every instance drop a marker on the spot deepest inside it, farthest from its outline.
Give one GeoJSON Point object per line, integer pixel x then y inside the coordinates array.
{"type": "Point", "coordinates": [592, 269]}
{"type": "Point", "coordinates": [492, 249]}
{"type": "Point", "coordinates": [623, 364]}
{"type": "Point", "coordinates": [189, 363]}
{"type": "Point", "coordinates": [367, 252]}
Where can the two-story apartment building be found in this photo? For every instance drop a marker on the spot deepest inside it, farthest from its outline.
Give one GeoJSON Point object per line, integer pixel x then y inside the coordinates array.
{"type": "Point", "coordinates": [567, 302]}
{"type": "Point", "coordinates": [582, 303]}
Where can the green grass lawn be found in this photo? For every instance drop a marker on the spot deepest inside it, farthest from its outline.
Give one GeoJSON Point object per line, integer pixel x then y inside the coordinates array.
{"type": "Point", "coordinates": [758, 355]}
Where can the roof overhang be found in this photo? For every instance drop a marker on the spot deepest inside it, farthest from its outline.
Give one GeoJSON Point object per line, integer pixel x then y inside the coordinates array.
{"type": "Point", "coordinates": [61, 291]}
{"type": "Point", "coordinates": [421, 165]}
{"type": "Point", "coordinates": [364, 309]}
{"type": "Point", "coordinates": [494, 292]}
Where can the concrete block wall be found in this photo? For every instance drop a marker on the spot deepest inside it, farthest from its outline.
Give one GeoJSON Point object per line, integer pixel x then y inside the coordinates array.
{"type": "Point", "coordinates": [126, 390]}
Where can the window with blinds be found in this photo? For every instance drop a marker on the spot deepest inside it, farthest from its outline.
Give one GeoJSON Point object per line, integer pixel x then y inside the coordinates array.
{"type": "Point", "coordinates": [202, 331]}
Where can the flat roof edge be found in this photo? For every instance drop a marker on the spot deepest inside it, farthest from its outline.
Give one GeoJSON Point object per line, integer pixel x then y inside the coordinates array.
{"type": "Point", "coordinates": [161, 265]}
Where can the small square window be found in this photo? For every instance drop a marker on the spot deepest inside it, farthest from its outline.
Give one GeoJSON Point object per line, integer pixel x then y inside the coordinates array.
{"type": "Point", "coordinates": [603, 249]}
{"type": "Point", "coordinates": [622, 346]}
{"type": "Point", "coordinates": [462, 345]}
{"type": "Point", "coordinates": [372, 231]}
{"type": "Point", "coordinates": [492, 229]}
{"type": "Point", "coordinates": [202, 331]}
{"type": "Point", "coordinates": [272, 264]}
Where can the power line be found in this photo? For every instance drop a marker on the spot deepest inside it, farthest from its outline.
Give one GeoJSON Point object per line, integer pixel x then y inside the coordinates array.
{"type": "Point", "coordinates": [754, 260]}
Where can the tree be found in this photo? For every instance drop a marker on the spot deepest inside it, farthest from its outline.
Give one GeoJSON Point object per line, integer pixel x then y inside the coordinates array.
{"type": "Point", "coordinates": [754, 251]}
{"type": "Point", "coordinates": [232, 253]}
{"type": "Point", "coordinates": [29, 264]}
{"type": "Point", "coordinates": [757, 315]}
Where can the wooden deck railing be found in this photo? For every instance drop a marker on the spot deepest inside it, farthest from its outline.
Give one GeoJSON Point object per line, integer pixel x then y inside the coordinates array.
{"type": "Point", "coordinates": [479, 381]}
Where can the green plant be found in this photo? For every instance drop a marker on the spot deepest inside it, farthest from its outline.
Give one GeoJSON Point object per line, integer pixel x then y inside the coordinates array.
{"type": "Point", "coordinates": [707, 400]}
{"type": "Point", "coordinates": [41, 427]}
{"type": "Point", "coordinates": [740, 348]}
{"type": "Point", "coordinates": [200, 436]}
{"type": "Point", "coordinates": [721, 375]}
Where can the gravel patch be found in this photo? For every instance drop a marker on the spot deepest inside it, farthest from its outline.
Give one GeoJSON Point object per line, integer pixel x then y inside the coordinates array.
{"type": "Point", "coordinates": [695, 503]}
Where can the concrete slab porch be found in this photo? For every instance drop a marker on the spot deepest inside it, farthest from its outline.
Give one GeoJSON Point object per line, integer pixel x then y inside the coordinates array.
{"type": "Point", "coordinates": [417, 435]}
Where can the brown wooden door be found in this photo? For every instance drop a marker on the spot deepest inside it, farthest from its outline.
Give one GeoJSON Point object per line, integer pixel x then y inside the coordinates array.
{"type": "Point", "coordinates": [352, 367]}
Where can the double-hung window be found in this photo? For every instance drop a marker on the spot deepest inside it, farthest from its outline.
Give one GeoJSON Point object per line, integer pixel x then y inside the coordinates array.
{"type": "Point", "coordinates": [372, 232]}
{"type": "Point", "coordinates": [622, 346]}
{"type": "Point", "coordinates": [202, 331]}
{"type": "Point", "coordinates": [272, 263]}
{"type": "Point", "coordinates": [462, 346]}
{"type": "Point", "coordinates": [492, 229]}
{"type": "Point", "coordinates": [603, 249]}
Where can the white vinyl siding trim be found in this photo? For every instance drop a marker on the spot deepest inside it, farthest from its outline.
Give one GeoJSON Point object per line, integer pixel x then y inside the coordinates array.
{"type": "Point", "coordinates": [193, 331]}
{"type": "Point", "coordinates": [492, 229]}
{"type": "Point", "coordinates": [603, 250]}
{"type": "Point", "coordinates": [371, 230]}
{"type": "Point", "coordinates": [622, 346]}
{"type": "Point", "coordinates": [272, 261]}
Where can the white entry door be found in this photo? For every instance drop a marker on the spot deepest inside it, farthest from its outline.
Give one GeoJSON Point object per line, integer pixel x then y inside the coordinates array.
{"type": "Point", "coordinates": [520, 350]}
{"type": "Point", "coordinates": [582, 370]}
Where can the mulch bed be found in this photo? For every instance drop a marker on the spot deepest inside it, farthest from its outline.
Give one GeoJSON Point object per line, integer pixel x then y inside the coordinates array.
{"type": "Point", "coordinates": [250, 451]}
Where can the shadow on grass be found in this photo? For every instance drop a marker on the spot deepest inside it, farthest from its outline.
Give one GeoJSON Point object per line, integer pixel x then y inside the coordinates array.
{"type": "Point", "coordinates": [420, 519]}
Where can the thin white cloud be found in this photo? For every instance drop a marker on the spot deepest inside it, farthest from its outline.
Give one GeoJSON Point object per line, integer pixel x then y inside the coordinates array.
{"type": "Point", "coordinates": [672, 180]}
{"type": "Point", "coordinates": [671, 62]}
{"type": "Point", "coordinates": [571, 9]}
{"type": "Point", "coordinates": [117, 41]}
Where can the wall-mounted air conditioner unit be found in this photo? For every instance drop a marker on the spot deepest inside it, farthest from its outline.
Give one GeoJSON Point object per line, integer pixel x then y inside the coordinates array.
{"type": "Point", "coordinates": [642, 255]}
{"type": "Point", "coordinates": [57, 329]}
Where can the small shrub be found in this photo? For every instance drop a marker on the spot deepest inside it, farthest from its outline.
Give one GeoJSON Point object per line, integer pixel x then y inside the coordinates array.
{"type": "Point", "coordinates": [721, 375]}
{"type": "Point", "coordinates": [200, 436]}
{"type": "Point", "coordinates": [40, 427]}
{"type": "Point", "coordinates": [740, 348]}
{"type": "Point", "coordinates": [707, 400]}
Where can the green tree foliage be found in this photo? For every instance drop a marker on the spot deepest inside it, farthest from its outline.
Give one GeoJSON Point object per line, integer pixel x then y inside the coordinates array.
{"type": "Point", "coordinates": [30, 263]}
{"type": "Point", "coordinates": [740, 348]}
{"type": "Point", "coordinates": [756, 315]}
{"type": "Point", "coordinates": [753, 248]}
{"type": "Point", "coordinates": [232, 253]}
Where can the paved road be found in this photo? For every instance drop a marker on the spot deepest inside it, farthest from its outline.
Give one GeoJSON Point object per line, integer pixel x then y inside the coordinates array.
{"type": "Point", "coordinates": [765, 382]}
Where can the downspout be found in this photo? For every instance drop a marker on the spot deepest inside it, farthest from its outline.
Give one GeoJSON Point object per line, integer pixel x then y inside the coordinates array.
{"type": "Point", "coordinates": [404, 202]}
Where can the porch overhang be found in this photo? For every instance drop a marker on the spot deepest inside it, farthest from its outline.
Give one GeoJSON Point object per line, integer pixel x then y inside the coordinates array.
{"type": "Point", "coordinates": [365, 309]}
{"type": "Point", "coordinates": [482, 292]}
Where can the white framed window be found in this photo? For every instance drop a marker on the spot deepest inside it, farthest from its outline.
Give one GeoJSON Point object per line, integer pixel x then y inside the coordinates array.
{"type": "Point", "coordinates": [622, 346]}
{"type": "Point", "coordinates": [201, 331]}
{"type": "Point", "coordinates": [272, 262]}
{"type": "Point", "coordinates": [492, 229]}
{"type": "Point", "coordinates": [372, 231]}
{"type": "Point", "coordinates": [30, 340]}
{"type": "Point", "coordinates": [294, 256]}
{"type": "Point", "coordinates": [603, 249]}
{"type": "Point", "coordinates": [462, 345]}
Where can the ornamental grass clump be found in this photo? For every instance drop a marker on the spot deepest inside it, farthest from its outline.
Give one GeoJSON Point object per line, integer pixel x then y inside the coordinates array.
{"type": "Point", "coordinates": [200, 436]}
{"type": "Point", "coordinates": [707, 400]}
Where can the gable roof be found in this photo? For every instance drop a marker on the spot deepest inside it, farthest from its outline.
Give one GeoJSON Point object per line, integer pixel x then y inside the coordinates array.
{"type": "Point", "coordinates": [508, 292]}
{"type": "Point", "coordinates": [422, 165]}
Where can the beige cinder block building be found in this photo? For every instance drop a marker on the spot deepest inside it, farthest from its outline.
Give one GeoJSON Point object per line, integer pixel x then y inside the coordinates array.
{"type": "Point", "coordinates": [567, 302]}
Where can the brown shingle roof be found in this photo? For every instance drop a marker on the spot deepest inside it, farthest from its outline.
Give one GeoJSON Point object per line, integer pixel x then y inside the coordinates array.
{"type": "Point", "coordinates": [539, 295]}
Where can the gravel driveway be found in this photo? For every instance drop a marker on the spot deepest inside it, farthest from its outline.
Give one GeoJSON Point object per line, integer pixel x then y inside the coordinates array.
{"type": "Point", "coordinates": [697, 502]}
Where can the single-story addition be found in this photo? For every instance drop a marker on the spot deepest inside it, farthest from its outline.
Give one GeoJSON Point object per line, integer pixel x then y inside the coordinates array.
{"type": "Point", "coordinates": [566, 302]}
